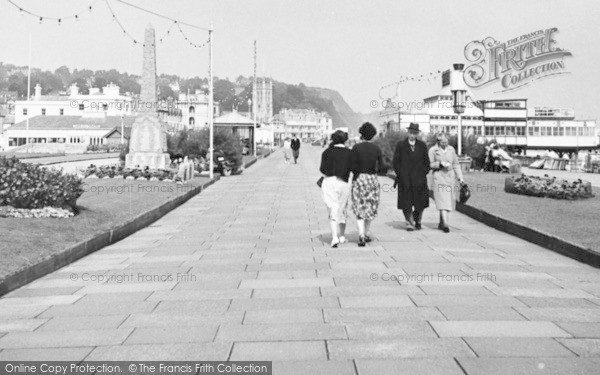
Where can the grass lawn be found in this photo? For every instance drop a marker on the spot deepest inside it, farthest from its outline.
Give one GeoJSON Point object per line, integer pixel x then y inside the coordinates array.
{"type": "Point", "coordinates": [51, 159]}
{"type": "Point", "coordinates": [105, 204]}
{"type": "Point", "coordinates": [574, 221]}
{"type": "Point", "coordinates": [27, 155]}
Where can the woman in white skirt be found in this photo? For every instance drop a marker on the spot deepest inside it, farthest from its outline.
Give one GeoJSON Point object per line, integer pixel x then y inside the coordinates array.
{"type": "Point", "coordinates": [445, 173]}
{"type": "Point", "coordinates": [335, 165]}
{"type": "Point", "coordinates": [287, 150]}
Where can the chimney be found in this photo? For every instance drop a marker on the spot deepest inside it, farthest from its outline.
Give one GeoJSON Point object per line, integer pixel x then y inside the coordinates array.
{"type": "Point", "coordinates": [38, 92]}
{"type": "Point", "coordinates": [74, 89]}
{"type": "Point", "coordinates": [111, 90]}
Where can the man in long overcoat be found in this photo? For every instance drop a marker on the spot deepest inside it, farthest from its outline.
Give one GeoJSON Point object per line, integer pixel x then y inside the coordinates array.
{"type": "Point", "coordinates": [411, 163]}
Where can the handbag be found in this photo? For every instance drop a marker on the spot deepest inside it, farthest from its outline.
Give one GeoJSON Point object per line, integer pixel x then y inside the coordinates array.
{"type": "Point", "coordinates": [320, 181]}
{"type": "Point", "coordinates": [465, 193]}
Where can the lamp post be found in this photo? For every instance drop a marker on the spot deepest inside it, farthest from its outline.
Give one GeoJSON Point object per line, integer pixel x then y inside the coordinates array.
{"type": "Point", "coordinates": [122, 130]}
{"type": "Point", "coordinates": [459, 93]}
{"type": "Point", "coordinates": [210, 104]}
{"type": "Point", "coordinates": [253, 127]}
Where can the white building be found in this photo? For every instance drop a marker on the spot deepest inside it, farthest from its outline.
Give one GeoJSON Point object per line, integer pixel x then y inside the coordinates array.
{"type": "Point", "coordinates": [194, 109]}
{"type": "Point", "coordinates": [506, 121]}
{"type": "Point", "coordinates": [54, 134]}
{"type": "Point", "coordinates": [307, 124]}
{"type": "Point", "coordinates": [108, 102]}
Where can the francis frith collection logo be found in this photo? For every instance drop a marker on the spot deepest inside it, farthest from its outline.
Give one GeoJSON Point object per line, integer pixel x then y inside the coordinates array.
{"type": "Point", "coordinates": [515, 63]}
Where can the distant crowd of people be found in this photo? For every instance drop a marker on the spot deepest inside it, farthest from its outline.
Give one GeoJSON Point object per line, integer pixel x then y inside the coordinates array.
{"type": "Point", "coordinates": [350, 175]}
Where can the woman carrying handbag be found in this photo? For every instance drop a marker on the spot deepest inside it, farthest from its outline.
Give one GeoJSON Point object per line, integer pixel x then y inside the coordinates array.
{"type": "Point", "coordinates": [446, 171]}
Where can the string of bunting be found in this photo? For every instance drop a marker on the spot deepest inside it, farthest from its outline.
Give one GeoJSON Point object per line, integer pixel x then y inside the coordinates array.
{"type": "Point", "coordinates": [185, 37]}
{"type": "Point", "coordinates": [188, 39]}
{"type": "Point", "coordinates": [89, 8]}
{"type": "Point", "coordinates": [59, 19]}
{"type": "Point", "coordinates": [416, 78]}
{"type": "Point", "coordinates": [125, 32]}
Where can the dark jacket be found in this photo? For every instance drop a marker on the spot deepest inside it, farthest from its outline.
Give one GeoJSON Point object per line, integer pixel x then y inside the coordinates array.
{"type": "Point", "coordinates": [411, 169]}
{"type": "Point", "coordinates": [335, 161]}
{"type": "Point", "coordinates": [295, 144]}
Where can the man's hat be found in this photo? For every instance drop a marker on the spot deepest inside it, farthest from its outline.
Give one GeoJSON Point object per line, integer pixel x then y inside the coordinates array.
{"type": "Point", "coordinates": [413, 127]}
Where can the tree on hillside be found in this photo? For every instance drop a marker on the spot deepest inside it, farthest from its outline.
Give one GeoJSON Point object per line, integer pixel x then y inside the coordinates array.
{"type": "Point", "coordinates": [129, 83]}
{"type": "Point", "coordinates": [192, 84]}
{"type": "Point", "coordinates": [165, 91]}
{"type": "Point", "coordinates": [82, 84]}
{"type": "Point", "coordinates": [224, 94]}
{"type": "Point", "coordinates": [18, 82]}
{"type": "Point", "coordinates": [100, 82]}
{"type": "Point", "coordinates": [64, 74]}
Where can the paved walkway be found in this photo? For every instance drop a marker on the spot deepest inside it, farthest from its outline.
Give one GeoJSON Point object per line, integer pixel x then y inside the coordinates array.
{"type": "Point", "coordinates": [243, 272]}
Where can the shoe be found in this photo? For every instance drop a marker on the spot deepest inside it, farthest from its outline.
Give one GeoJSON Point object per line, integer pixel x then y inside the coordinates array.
{"type": "Point", "coordinates": [418, 226]}
{"type": "Point", "coordinates": [361, 241]}
{"type": "Point", "coordinates": [335, 242]}
{"type": "Point", "coordinates": [446, 230]}
{"type": "Point", "coordinates": [367, 239]}
{"type": "Point", "coordinates": [409, 226]}
{"type": "Point", "coordinates": [342, 239]}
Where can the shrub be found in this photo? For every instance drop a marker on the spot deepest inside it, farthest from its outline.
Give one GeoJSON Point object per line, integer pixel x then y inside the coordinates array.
{"type": "Point", "coordinates": [194, 144]}
{"type": "Point", "coordinates": [25, 185]}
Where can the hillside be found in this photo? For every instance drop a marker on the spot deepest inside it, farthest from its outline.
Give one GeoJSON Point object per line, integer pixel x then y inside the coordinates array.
{"type": "Point", "coordinates": [229, 94]}
{"type": "Point", "coordinates": [338, 109]}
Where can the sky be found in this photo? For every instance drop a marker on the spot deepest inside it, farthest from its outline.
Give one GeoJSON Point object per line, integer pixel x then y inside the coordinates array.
{"type": "Point", "coordinates": [354, 47]}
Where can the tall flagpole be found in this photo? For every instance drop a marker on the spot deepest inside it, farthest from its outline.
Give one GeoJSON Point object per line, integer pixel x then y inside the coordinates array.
{"type": "Point", "coordinates": [28, 92]}
{"type": "Point", "coordinates": [255, 105]}
{"type": "Point", "coordinates": [210, 100]}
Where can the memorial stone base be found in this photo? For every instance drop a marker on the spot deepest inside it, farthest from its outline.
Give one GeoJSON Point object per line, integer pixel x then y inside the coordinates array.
{"type": "Point", "coordinates": [150, 159]}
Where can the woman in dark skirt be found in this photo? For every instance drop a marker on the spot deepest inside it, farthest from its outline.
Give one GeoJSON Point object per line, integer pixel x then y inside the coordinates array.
{"type": "Point", "coordinates": [366, 162]}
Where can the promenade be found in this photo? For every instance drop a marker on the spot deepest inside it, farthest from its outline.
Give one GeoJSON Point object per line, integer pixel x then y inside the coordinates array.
{"type": "Point", "coordinates": [244, 271]}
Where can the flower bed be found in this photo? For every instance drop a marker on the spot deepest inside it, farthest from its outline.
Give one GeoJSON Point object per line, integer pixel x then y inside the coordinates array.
{"type": "Point", "coordinates": [549, 187]}
{"type": "Point", "coordinates": [7, 211]}
{"type": "Point", "coordinates": [105, 171]}
{"type": "Point", "coordinates": [31, 186]}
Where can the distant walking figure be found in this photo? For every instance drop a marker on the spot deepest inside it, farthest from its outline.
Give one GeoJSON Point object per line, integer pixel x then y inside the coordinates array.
{"type": "Point", "coordinates": [366, 162]}
{"type": "Point", "coordinates": [287, 150]}
{"type": "Point", "coordinates": [335, 165]}
{"type": "Point", "coordinates": [295, 148]}
{"type": "Point", "coordinates": [411, 165]}
{"type": "Point", "coordinates": [446, 170]}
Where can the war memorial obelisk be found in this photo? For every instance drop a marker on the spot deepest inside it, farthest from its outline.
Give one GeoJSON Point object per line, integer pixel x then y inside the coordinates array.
{"type": "Point", "coordinates": [148, 141]}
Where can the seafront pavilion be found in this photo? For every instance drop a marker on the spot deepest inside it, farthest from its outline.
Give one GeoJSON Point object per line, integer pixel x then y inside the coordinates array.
{"type": "Point", "coordinates": [243, 271]}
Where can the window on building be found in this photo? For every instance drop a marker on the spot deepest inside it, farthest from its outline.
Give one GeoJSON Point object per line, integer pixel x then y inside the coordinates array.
{"type": "Point", "coordinates": [24, 111]}
{"type": "Point", "coordinates": [43, 111]}
{"type": "Point", "coordinates": [81, 107]}
{"type": "Point", "coordinates": [192, 121]}
{"type": "Point", "coordinates": [192, 109]}
{"type": "Point", "coordinates": [62, 111]}
{"type": "Point", "coordinates": [555, 131]}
